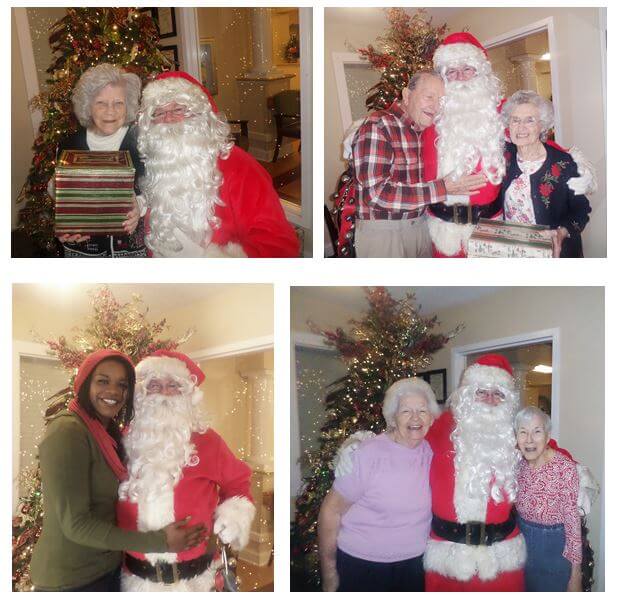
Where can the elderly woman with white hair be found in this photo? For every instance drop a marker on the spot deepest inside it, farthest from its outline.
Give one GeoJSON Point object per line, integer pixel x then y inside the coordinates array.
{"type": "Point", "coordinates": [534, 189]}
{"type": "Point", "coordinates": [374, 523]}
{"type": "Point", "coordinates": [106, 102]}
{"type": "Point", "coordinates": [547, 505]}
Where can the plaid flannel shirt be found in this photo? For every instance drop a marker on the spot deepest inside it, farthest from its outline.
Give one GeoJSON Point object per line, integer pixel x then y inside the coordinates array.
{"type": "Point", "coordinates": [388, 168]}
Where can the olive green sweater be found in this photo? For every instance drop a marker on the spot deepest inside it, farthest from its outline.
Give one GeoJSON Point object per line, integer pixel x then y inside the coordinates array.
{"type": "Point", "coordinates": [80, 541]}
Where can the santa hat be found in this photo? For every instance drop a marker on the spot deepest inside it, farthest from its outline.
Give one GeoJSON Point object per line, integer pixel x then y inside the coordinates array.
{"type": "Point", "coordinates": [490, 369]}
{"type": "Point", "coordinates": [93, 360]}
{"type": "Point", "coordinates": [166, 362]}
{"type": "Point", "coordinates": [176, 86]}
{"type": "Point", "coordinates": [458, 49]}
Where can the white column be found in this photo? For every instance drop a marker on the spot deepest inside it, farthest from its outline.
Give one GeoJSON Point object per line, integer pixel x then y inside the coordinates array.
{"type": "Point", "coordinates": [527, 67]}
{"type": "Point", "coordinates": [262, 43]}
{"type": "Point", "coordinates": [261, 399]}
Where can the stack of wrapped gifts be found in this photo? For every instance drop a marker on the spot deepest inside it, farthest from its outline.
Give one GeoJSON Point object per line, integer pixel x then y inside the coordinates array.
{"type": "Point", "coordinates": [497, 239]}
{"type": "Point", "coordinates": [94, 192]}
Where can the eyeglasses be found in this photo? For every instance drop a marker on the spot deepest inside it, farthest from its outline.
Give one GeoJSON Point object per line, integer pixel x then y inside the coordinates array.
{"type": "Point", "coordinates": [529, 121]}
{"type": "Point", "coordinates": [170, 387]}
{"type": "Point", "coordinates": [175, 113]}
{"type": "Point", "coordinates": [464, 73]}
{"type": "Point", "coordinates": [113, 106]}
{"type": "Point", "coordinates": [486, 393]}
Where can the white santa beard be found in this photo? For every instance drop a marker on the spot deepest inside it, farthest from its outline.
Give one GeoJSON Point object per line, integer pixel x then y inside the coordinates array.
{"type": "Point", "coordinates": [470, 129]}
{"type": "Point", "coordinates": [486, 457]}
{"type": "Point", "coordinates": [181, 183]}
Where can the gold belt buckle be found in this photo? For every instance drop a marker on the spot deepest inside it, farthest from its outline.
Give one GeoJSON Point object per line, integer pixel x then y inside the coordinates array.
{"type": "Point", "coordinates": [455, 214]}
{"type": "Point", "coordinates": [159, 572]}
{"type": "Point", "coordinates": [468, 529]}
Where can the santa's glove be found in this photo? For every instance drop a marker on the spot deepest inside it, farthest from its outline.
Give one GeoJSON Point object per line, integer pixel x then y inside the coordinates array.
{"type": "Point", "coordinates": [588, 489]}
{"type": "Point", "coordinates": [342, 463]}
{"type": "Point", "coordinates": [349, 137]}
{"type": "Point", "coordinates": [232, 521]}
{"type": "Point", "coordinates": [586, 182]}
{"type": "Point", "coordinates": [189, 249]}
{"type": "Point", "coordinates": [456, 200]}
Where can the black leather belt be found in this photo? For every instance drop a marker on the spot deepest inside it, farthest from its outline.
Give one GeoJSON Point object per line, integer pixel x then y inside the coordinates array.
{"type": "Point", "coordinates": [463, 215]}
{"type": "Point", "coordinates": [473, 533]}
{"type": "Point", "coordinates": [167, 573]}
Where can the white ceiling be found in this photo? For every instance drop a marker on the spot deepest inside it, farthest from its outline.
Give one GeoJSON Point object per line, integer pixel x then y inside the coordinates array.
{"type": "Point", "coordinates": [361, 17]}
{"type": "Point", "coordinates": [157, 297]}
{"type": "Point", "coordinates": [432, 299]}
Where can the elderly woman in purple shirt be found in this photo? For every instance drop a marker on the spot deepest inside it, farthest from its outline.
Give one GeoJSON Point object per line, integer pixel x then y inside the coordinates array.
{"type": "Point", "coordinates": [374, 523]}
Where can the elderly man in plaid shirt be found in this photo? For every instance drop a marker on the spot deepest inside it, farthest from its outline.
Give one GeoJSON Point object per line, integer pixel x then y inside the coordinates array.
{"type": "Point", "coordinates": [387, 159]}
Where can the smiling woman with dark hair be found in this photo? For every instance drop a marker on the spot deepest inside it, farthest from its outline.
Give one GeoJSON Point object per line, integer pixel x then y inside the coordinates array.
{"type": "Point", "coordinates": [82, 464]}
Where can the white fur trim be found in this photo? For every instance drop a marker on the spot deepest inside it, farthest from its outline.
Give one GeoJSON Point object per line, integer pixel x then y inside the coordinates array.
{"type": "Point", "coordinates": [463, 562]}
{"type": "Point", "coordinates": [162, 365]}
{"type": "Point", "coordinates": [458, 54]}
{"type": "Point", "coordinates": [236, 514]}
{"type": "Point", "coordinates": [204, 582]}
{"type": "Point", "coordinates": [477, 374]}
{"type": "Point", "coordinates": [449, 238]}
{"type": "Point", "coordinates": [231, 250]}
{"type": "Point", "coordinates": [154, 515]}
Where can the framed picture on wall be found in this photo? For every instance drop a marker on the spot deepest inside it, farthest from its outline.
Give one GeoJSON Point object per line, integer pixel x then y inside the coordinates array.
{"type": "Point", "coordinates": [164, 19]}
{"type": "Point", "coordinates": [207, 64]}
{"type": "Point", "coordinates": [167, 22]}
{"type": "Point", "coordinates": [438, 381]}
{"type": "Point", "coordinates": [171, 53]}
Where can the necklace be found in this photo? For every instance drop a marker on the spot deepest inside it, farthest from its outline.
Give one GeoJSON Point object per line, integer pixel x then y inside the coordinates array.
{"type": "Point", "coordinates": [540, 154]}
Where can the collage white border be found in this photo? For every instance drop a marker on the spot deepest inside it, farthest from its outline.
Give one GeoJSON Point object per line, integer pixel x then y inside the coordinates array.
{"type": "Point", "coordinates": [287, 273]}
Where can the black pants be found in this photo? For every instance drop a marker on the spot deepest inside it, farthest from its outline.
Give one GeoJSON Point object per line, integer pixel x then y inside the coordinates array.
{"type": "Point", "coordinates": [361, 575]}
{"type": "Point", "coordinates": [108, 583]}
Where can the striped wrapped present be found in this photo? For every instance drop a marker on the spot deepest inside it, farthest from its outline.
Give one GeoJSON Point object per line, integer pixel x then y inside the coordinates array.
{"type": "Point", "coordinates": [498, 239]}
{"type": "Point", "coordinates": [94, 192]}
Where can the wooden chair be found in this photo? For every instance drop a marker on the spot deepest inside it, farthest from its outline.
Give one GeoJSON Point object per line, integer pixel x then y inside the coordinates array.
{"type": "Point", "coordinates": [241, 137]}
{"type": "Point", "coordinates": [286, 107]}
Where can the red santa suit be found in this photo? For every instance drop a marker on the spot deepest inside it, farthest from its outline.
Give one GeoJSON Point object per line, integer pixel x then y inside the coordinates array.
{"type": "Point", "coordinates": [461, 566]}
{"type": "Point", "coordinates": [249, 220]}
{"type": "Point", "coordinates": [449, 236]}
{"type": "Point", "coordinates": [213, 486]}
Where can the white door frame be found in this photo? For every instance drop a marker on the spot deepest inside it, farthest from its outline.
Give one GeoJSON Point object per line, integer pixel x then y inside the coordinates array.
{"type": "Point", "coordinates": [310, 341]}
{"type": "Point", "coordinates": [459, 355]}
{"type": "Point", "coordinates": [547, 25]}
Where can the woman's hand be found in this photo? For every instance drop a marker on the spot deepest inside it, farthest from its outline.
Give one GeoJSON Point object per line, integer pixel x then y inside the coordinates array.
{"type": "Point", "coordinates": [575, 584]}
{"type": "Point", "coordinates": [329, 580]}
{"type": "Point", "coordinates": [180, 536]}
{"type": "Point", "coordinates": [557, 237]}
{"type": "Point", "coordinates": [132, 218]}
{"type": "Point", "coordinates": [77, 238]}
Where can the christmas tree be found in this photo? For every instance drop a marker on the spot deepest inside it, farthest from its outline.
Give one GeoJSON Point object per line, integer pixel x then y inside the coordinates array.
{"type": "Point", "coordinates": [113, 325]}
{"type": "Point", "coordinates": [391, 341]}
{"type": "Point", "coordinates": [406, 48]}
{"type": "Point", "coordinates": [84, 38]}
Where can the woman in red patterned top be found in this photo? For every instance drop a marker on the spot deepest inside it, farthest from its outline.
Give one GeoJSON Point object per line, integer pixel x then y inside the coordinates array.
{"type": "Point", "coordinates": [547, 507]}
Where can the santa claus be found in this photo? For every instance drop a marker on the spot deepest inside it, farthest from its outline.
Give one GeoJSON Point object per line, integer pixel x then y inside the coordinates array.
{"type": "Point", "coordinates": [475, 544]}
{"type": "Point", "coordinates": [179, 467]}
{"type": "Point", "coordinates": [470, 139]}
{"type": "Point", "coordinates": [205, 197]}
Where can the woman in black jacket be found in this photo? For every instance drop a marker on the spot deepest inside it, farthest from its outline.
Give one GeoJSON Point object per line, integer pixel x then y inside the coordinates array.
{"type": "Point", "coordinates": [106, 102]}
{"type": "Point", "coordinates": [534, 189]}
